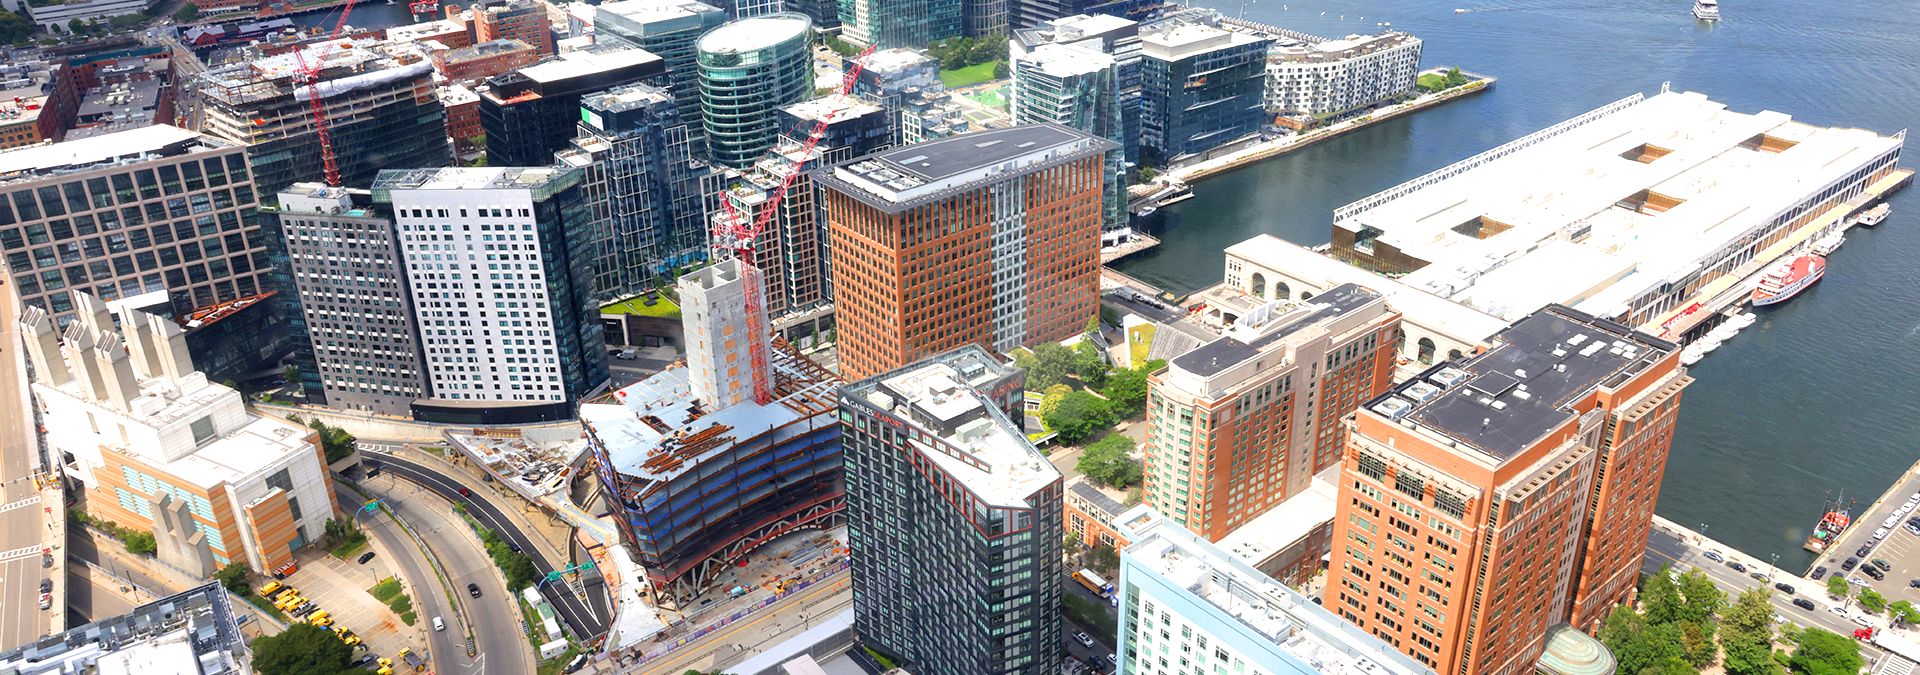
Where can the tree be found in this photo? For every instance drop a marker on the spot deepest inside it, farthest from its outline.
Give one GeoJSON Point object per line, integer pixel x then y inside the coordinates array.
{"type": "Point", "coordinates": [1001, 71]}
{"type": "Point", "coordinates": [1110, 462]}
{"type": "Point", "coordinates": [1820, 652]}
{"type": "Point", "coordinates": [1697, 640]}
{"type": "Point", "coordinates": [1050, 401]}
{"type": "Point", "coordinates": [1093, 324]}
{"type": "Point", "coordinates": [1109, 315]}
{"type": "Point", "coordinates": [1703, 599]}
{"type": "Point", "coordinates": [1126, 391]}
{"type": "Point", "coordinates": [1747, 635]}
{"type": "Point", "coordinates": [1105, 559]}
{"type": "Point", "coordinates": [337, 443]}
{"type": "Point", "coordinates": [1078, 416]}
{"type": "Point", "coordinates": [1049, 365]}
{"type": "Point", "coordinates": [1660, 599]}
{"type": "Point", "coordinates": [234, 577]}
{"type": "Point", "coordinates": [1641, 648]}
{"type": "Point", "coordinates": [1838, 587]}
{"type": "Point", "coordinates": [13, 28]}
{"type": "Point", "coordinates": [1871, 600]}
{"type": "Point", "coordinates": [292, 373]}
{"type": "Point", "coordinates": [301, 649]}
{"type": "Point", "coordinates": [188, 12]}
{"type": "Point", "coordinates": [1904, 611]}
{"type": "Point", "coordinates": [1090, 364]}
{"type": "Point", "coordinates": [1143, 175]}
{"type": "Point", "coordinates": [77, 27]}
{"type": "Point", "coordinates": [1454, 78]}
{"type": "Point", "coordinates": [1070, 544]}
{"type": "Point", "coordinates": [141, 543]}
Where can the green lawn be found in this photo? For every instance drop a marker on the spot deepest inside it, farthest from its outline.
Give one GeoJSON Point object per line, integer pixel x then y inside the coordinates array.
{"type": "Point", "coordinates": [1432, 82]}
{"type": "Point", "coordinates": [1139, 339]}
{"type": "Point", "coordinates": [662, 308]}
{"type": "Point", "coordinates": [266, 606]}
{"type": "Point", "coordinates": [350, 549]}
{"type": "Point", "coordinates": [968, 75]}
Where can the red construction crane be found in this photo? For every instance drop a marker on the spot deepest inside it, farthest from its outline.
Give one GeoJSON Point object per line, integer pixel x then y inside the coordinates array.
{"type": "Point", "coordinates": [738, 231]}
{"type": "Point", "coordinates": [310, 74]}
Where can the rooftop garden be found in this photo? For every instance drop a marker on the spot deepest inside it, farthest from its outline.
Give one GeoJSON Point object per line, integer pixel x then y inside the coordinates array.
{"type": "Point", "coordinates": [643, 306]}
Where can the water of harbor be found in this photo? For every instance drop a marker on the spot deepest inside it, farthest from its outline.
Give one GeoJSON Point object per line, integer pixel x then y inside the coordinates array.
{"type": "Point", "coordinates": [1820, 395]}
{"type": "Point", "coordinates": [367, 14]}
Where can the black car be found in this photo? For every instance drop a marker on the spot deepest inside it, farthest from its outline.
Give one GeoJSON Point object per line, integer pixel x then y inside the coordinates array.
{"type": "Point", "coordinates": [1863, 551]}
{"type": "Point", "coordinates": [1818, 572]}
{"type": "Point", "coordinates": [1783, 588]}
{"type": "Point", "coordinates": [46, 585]}
{"type": "Point", "coordinates": [1803, 603]}
{"type": "Point", "coordinates": [46, 560]}
{"type": "Point", "coordinates": [1914, 583]}
{"type": "Point", "coordinates": [1847, 565]}
{"type": "Point", "coordinates": [1872, 571]}
{"type": "Point", "coordinates": [1737, 567]}
{"type": "Point", "coordinates": [473, 590]}
{"type": "Point", "coordinates": [364, 557]}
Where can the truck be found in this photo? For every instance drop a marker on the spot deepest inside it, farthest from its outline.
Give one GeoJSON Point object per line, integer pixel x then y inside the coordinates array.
{"type": "Point", "coordinates": [1099, 586]}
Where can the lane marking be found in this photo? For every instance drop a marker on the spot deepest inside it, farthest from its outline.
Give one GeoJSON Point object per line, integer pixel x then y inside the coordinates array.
{"type": "Point", "coordinates": [19, 553]}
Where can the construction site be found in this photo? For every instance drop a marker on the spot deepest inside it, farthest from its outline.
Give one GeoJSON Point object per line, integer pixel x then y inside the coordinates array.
{"type": "Point", "coordinates": [702, 488]}
{"type": "Point", "coordinates": [376, 97]}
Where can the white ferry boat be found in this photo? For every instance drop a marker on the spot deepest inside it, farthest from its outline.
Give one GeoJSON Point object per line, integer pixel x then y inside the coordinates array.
{"type": "Point", "coordinates": [1706, 10]}
{"type": "Point", "coordinates": [1874, 215]}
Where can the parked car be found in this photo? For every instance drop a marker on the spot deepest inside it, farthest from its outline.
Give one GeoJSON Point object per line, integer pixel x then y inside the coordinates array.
{"type": "Point", "coordinates": [1783, 588]}
{"type": "Point", "coordinates": [473, 590]}
{"type": "Point", "coordinates": [1713, 555]}
{"type": "Point", "coordinates": [46, 601]}
{"type": "Point", "coordinates": [1759, 577]}
{"type": "Point", "coordinates": [1862, 620]}
{"type": "Point", "coordinates": [46, 560]}
{"type": "Point", "coordinates": [1836, 611]}
{"type": "Point", "coordinates": [577, 663]}
{"type": "Point", "coordinates": [1803, 603]}
{"type": "Point", "coordinates": [1818, 572]}
{"type": "Point", "coordinates": [1881, 563]}
{"type": "Point", "coordinates": [364, 557]}
{"type": "Point", "coordinates": [1083, 639]}
{"type": "Point", "coordinates": [270, 589]}
{"type": "Point", "coordinates": [1880, 534]}
{"type": "Point", "coordinates": [1736, 566]}
{"type": "Point", "coordinates": [1847, 565]}
{"type": "Point", "coordinates": [1873, 572]}
{"type": "Point", "coordinates": [1863, 550]}
{"type": "Point", "coordinates": [1915, 583]}
{"type": "Point", "coordinates": [1113, 660]}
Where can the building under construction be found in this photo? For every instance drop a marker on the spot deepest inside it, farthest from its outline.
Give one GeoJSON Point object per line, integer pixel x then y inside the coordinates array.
{"type": "Point", "coordinates": [698, 489]}
{"type": "Point", "coordinates": [378, 98]}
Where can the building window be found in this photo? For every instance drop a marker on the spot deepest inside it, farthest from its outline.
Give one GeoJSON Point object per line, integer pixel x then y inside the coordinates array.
{"type": "Point", "coordinates": [1426, 351]}
{"type": "Point", "coordinates": [281, 479]}
{"type": "Point", "coordinates": [202, 429]}
{"type": "Point", "coordinates": [1259, 285]}
{"type": "Point", "coordinates": [293, 505]}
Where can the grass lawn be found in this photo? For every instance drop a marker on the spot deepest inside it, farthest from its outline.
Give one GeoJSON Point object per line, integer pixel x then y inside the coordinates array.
{"type": "Point", "coordinates": [350, 549]}
{"type": "Point", "coordinates": [662, 308]}
{"type": "Point", "coordinates": [1432, 82]}
{"type": "Point", "coordinates": [1139, 339]}
{"type": "Point", "coordinates": [968, 75]}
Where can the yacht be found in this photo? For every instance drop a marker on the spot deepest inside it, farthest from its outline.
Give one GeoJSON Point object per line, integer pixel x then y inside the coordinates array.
{"type": "Point", "coordinates": [1706, 10]}
{"type": "Point", "coordinates": [1873, 216]}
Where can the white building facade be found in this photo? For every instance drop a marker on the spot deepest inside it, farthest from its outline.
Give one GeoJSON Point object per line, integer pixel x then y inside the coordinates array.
{"type": "Point", "coordinates": [1335, 76]}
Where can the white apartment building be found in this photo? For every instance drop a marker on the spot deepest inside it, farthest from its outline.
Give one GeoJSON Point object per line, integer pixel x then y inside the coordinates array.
{"type": "Point", "coordinates": [149, 436]}
{"type": "Point", "coordinates": [1324, 77]}
{"type": "Point", "coordinates": [497, 262]}
{"type": "Point", "coordinates": [1187, 605]}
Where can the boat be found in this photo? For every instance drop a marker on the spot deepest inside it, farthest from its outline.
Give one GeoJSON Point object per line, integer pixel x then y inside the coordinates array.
{"type": "Point", "coordinates": [1830, 243]}
{"type": "Point", "coordinates": [1831, 524]}
{"type": "Point", "coordinates": [1788, 279]}
{"type": "Point", "coordinates": [1706, 10]}
{"type": "Point", "coordinates": [1459, 11]}
{"type": "Point", "coordinates": [1874, 215]}
{"type": "Point", "coordinates": [1707, 345]}
{"type": "Point", "coordinates": [1691, 355]}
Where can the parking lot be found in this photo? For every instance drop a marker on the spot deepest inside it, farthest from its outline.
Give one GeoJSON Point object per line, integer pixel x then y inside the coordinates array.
{"type": "Point", "coordinates": [340, 588]}
{"type": "Point", "coordinates": [1899, 547]}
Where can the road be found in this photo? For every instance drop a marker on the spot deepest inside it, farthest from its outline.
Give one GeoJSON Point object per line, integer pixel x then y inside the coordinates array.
{"type": "Point", "coordinates": [742, 639]}
{"type": "Point", "coordinates": [1900, 548]}
{"type": "Point", "coordinates": [494, 615]}
{"type": "Point", "coordinates": [448, 649]}
{"type": "Point", "coordinates": [21, 619]}
{"type": "Point", "coordinates": [587, 617]}
{"type": "Point", "coordinates": [1097, 654]}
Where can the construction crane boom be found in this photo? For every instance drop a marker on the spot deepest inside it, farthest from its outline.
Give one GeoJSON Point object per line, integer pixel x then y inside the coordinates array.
{"type": "Point", "coordinates": [310, 75]}
{"type": "Point", "coordinates": [740, 231]}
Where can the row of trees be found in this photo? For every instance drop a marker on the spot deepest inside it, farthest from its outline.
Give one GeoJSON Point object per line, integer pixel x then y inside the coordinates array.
{"type": "Point", "coordinates": [1675, 631]}
{"type": "Point", "coordinates": [957, 53]}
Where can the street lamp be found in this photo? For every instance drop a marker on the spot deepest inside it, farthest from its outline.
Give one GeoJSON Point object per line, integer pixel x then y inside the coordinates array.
{"type": "Point", "coordinates": [1703, 534]}
{"type": "Point", "coordinates": [1776, 567]}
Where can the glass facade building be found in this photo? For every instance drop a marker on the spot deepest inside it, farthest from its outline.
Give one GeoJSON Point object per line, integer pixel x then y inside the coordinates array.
{"type": "Point", "coordinates": [1201, 87]}
{"type": "Point", "coordinates": [749, 69]}
{"type": "Point", "coordinates": [642, 186]}
{"type": "Point", "coordinates": [888, 24]}
{"type": "Point", "coordinates": [668, 29]}
{"type": "Point", "coordinates": [534, 112]}
{"type": "Point", "coordinates": [1077, 86]}
{"type": "Point", "coordinates": [954, 519]}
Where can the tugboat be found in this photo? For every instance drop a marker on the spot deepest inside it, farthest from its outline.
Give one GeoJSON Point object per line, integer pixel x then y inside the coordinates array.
{"type": "Point", "coordinates": [1789, 279]}
{"type": "Point", "coordinates": [1831, 524]}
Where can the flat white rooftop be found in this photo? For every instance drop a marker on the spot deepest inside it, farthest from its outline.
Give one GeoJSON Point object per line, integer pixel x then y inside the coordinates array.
{"type": "Point", "coordinates": [759, 32]}
{"type": "Point", "coordinates": [1286, 523]}
{"type": "Point", "coordinates": [1652, 190]}
{"type": "Point", "coordinates": [1063, 61]}
{"type": "Point", "coordinates": [1010, 468]}
{"type": "Point", "coordinates": [96, 149]}
{"type": "Point", "coordinates": [581, 64]}
{"type": "Point", "coordinates": [1433, 311]}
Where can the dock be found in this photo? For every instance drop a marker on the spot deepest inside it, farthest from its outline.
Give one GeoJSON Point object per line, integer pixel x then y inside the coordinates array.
{"type": "Point", "coordinates": [1140, 242]}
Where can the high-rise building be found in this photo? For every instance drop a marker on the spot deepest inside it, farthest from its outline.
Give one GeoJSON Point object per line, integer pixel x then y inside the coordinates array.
{"type": "Point", "coordinates": [523, 20]}
{"type": "Point", "coordinates": [1077, 86]}
{"type": "Point", "coordinates": [487, 59]}
{"type": "Point", "coordinates": [1110, 35]}
{"type": "Point", "coordinates": [749, 69]}
{"type": "Point", "coordinates": [378, 98]}
{"type": "Point", "coordinates": [1241, 423]}
{"type": "Point", "coordinates": [1032, 13]}
{"type": "Point", "coordinates": [909, 24]}
{"type": "Point", "coordinates": [953, 519]}
{"type": "Point", "coordinates": [1329, 77]}
{"type": "Point", "coordinates": [1184, 599]}
{"type": "Point", "coordinates": [1494, 497]}
{"type": "Point", "coordinates": [348, 268]}
{"type": "Point", "coordinates": [982, 18]}
{"type": "Point", "coordinates": [700, 471]}
{"type": "Point", "coordinates": [892, 77]}
{"type": "Point", "coordinates": [193, 631]}
{"type": "Point", "coordinates": [159, 448]}
{"type": "Point", "coordinates": [534, 112]}
{"type": "Point", "coordinates": [989, 238]}
{"type": "Point", "coordinates": [1200, 88]}
{"type": "Point", "coordinates": [156, 208]}
{"type": "Point", "coordinates": [853, 127]}
{"type": "Point", "coordinates": [669, 29]}
{"type": "Point", "coordinates": [499, 261]}
{"type": "Point", "coordinates": [643, 186]}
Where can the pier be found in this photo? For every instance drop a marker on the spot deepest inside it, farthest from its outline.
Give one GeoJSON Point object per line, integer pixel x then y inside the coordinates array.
{"type": "Point", "coordinates": [1139, 242]}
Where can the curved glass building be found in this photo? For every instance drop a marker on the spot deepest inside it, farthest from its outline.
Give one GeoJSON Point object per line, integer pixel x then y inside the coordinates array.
{"type": "Point", "coordinates": [749, 69]}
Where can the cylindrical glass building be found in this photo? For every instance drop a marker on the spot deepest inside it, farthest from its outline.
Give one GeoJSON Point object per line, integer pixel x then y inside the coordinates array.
{"type": "Point", "coordinates": [749, 69]}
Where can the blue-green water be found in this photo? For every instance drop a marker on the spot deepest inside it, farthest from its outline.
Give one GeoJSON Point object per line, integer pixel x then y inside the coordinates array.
{"type": "Point", "coordinates": [1820, 395]}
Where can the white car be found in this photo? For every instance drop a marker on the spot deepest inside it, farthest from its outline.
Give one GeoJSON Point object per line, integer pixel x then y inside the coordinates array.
{"type": "Point", "coordinates": [1862, 620]}
{"type": "Point", "coordinates": [1084, 640]}
{"type": "Point", "coordinates": [1836, 611]}
{"type": "Point", "coordinates": [1880, 534]}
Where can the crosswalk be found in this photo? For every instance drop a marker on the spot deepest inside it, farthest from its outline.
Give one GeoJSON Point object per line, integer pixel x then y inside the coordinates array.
{"type": "Point", "coordinates": [30, 501]}
{"type": "Point", "coordinates": [18, 553]}
{"type": "Point", "coordinates": [1894, 665]}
